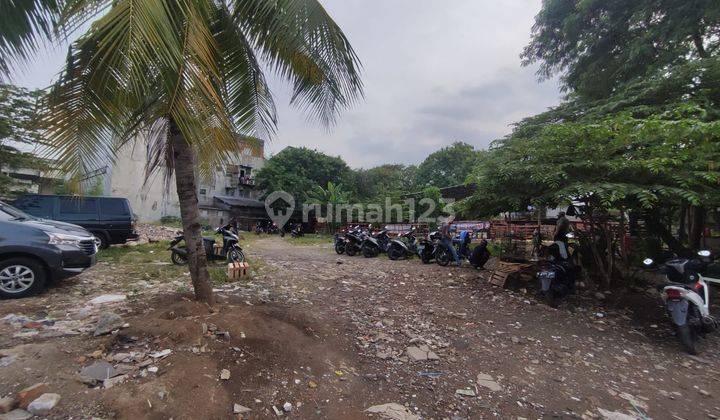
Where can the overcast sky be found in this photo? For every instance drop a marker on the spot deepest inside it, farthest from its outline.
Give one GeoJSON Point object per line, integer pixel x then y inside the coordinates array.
{"type": "Point", "coordinates": [434, 72]}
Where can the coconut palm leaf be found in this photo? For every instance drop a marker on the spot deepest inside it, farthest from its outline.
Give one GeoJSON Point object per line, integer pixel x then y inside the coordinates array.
{"type": "Point", "coordinates": [24, 25]}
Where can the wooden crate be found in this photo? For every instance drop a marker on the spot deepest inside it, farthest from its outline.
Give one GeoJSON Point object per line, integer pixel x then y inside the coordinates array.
{"type": "Point", "coordinates": [218, 249]}
{"type": "Point", "coordinates": [237, 270]}
{"type": "Point", "coordinates": [504, 270]}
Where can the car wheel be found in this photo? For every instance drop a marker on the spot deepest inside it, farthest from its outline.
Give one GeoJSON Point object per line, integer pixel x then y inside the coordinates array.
{"type": "Point", "coordinates": [21, 277]}
{"type": "Point", "coordinates": [100, 240]}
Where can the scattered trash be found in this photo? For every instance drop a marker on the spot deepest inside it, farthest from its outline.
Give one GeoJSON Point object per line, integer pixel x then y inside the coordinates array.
{"type": "Point", "coordinates": [224, 374]}
{"type": "Point", "coordinates": [430, 374]}
{"type": "Point", "coordinates": [161, 354]}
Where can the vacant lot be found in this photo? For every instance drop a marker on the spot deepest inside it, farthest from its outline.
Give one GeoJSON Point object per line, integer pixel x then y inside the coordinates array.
{"type": "Point", "coordinates": [329, 336]}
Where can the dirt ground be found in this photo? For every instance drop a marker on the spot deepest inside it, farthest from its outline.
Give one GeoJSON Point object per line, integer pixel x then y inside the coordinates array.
{"type": "Point", "coordinates": [327, 336]}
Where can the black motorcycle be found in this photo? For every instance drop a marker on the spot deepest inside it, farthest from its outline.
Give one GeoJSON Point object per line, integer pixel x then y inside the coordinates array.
{"type": "Point", "coordinates": [230, 251]}
{"type": "Point", "coordinates": [557, 275]}
{"type": "Point", "coordinates": [373, 245]}
{"type": "Point", "coordinates": [339, 243]}
{"type": "Point", "coordinates": [296, 231]}
{"type": "Point", "coordinates": [353, 241]}
{"type": "Point", "coordinates": [427, 247]}
{"type": "Point", "coordinates": [403, 247]}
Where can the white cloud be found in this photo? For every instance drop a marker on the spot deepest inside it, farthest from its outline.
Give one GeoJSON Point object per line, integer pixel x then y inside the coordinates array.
{"type": "Point", "coordinates": [434, 72]}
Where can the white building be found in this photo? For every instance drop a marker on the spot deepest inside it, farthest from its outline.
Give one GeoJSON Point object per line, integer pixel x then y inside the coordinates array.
{"type": "Point", "coordinates": [153, 199]}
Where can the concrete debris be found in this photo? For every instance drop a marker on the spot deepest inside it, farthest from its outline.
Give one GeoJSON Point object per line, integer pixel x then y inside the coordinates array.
{"type": "Point", "coordinates": [107, 322]}
{"type": "Point", "coordinates": [287, 407]}
{"type": "Point", "coordinates": [17, 414]}
{"type": "Point", "coordinates": [161, 354]}
{"type": "Point", "coordinates": [109, 383]}
{"type": "Point", "coordinates": [615, 415]}
{"type": "Point", "coordinates": [8, 404]}
{"type": "Point", "coordinates": [421, 353]}
{"type": "Point", "coordinates": [99, 371]}
{"type": "Point", "coordinates": [27, 395]}
{"type": "Point", "coordinates": [465, 392]}
{"type": "Point", "coordinates": [43, 404]}
{"type": "Point", "coordinates": [488, 382]}
{"type": "Point", "coordinates": [105, 299]}
{"type": "Point", "coordinates": [241, 409]}
{"type": "Point", "coordinates": [393, 411]}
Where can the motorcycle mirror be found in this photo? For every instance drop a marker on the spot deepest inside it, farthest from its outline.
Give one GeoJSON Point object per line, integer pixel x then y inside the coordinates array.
{"type": "Point", "coordinates": [648, 261]}
{"type": "Point", "coordinates": [704, 253]}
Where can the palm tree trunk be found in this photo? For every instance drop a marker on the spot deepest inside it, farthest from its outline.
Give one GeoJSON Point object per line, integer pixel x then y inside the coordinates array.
{"type": "Point", "coordinates": [184, 159]}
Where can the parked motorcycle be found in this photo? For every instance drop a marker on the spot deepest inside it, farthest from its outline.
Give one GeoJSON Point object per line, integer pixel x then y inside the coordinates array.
{"type": "Point", "coordinates": [557, 275]}
{"type": "Point", "coordinates": [353, 241]}
{"type": "Point", "coordinates": [339, 243]}
{"type": "Point", "coordinates": [427, 247]}
{"type": "Point", "coordinates": [230, 251]}
{"type": "Point", "coordinates": [297, 231]}
{"type": "Point", "coordinates": [403, 247]}
{"type": "Point", "coordinates": [374, 244]}
{"type": "Point", "coordinates": [687, 296]}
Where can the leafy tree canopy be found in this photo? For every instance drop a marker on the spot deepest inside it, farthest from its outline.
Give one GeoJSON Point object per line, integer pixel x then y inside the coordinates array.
{"type": "Point", "coordinates": [18, 126]}
{"type": "Point", "coordinates": [446, 167]}
{"type": "Point", "coordinates": [391, 180]}
{"type": "Point", "coordinates": [299, 171]}
{"type": "Point", "coordinates": [598, 45]}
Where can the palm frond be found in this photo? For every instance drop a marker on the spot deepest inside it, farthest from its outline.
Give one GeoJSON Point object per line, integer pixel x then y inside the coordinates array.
{"type": "Point", "coordinates": [302, 43]}
{"type": "Point", "coordinates": [24, 25]}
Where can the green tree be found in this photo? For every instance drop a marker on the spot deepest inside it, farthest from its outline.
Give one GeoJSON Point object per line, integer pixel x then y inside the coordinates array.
{"type": "Point", "coordinates": [18, 128]}
{"type": "Point", "coordinates": [188, 76]}
{"type": "Point", "coordinates": [598, 45]}
{"type": "Point", "coordinates": [299, 170]}
{"type": "Point", "coordinates": [446, 167]}
{"type": "Point", "coordinates": [391, 180]}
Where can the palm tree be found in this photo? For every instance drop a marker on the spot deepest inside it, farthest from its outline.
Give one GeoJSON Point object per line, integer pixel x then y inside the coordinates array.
{"type": "Point", "coordinates": [187, 77]}
{"type": "Point", "coordinates": [333, 195]}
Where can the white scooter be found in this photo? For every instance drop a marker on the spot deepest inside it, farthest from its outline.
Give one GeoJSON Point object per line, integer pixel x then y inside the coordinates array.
{"type": "Point", "coordinates": [687, 297]}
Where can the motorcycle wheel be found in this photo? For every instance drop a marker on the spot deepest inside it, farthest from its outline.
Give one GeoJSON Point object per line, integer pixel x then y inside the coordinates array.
{"type": "Point", "coordinates": [177, 258]}
{"type": "Point", "coordinates": [688, 338]}
{"type": "Point", "coordinates": [369, 252]}
{"type": "Point", "coordinates": [394, 253]}
{"type": "Point", "coordinates": [235, 255]}
{"type": "Point", "coordinates": [426, 258]}
{"type": "Point", "coordinates": [443, 257]}
{"type": "Point", "coordinates": [339, 248]}
{"type": "Point", "coordinates": [350, 250]}
{"type": "Point", "coordinates": [551, 299]}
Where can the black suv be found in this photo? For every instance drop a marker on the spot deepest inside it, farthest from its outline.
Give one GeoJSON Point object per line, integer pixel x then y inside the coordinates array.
{"type": "Point", "coordinates": [109, 219]}
{"type": "Point", "coordinates": [33, 251]}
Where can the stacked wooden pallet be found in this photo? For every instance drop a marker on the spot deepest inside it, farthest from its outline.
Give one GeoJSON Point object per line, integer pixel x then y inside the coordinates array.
{"type": "Point", "coordinates": [503, 273]}
{"type": "Point", "coordinates": [237, 270]}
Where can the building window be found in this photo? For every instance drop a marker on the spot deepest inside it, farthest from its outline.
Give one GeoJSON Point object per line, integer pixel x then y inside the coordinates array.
{"type": "Point", "coordinates": [203, 191]}
{"type": "Point", "coordinates": [230, 192]}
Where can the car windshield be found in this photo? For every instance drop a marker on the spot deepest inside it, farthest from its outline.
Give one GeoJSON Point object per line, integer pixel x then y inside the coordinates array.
{"type": "Point", "coordinates": [13, 213]}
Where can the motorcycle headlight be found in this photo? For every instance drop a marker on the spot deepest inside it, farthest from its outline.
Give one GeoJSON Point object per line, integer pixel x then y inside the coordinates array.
{"type": "Point", "coordinates": [704, 253]}
{"type": "Point", "coordinates": [648, 261]}
{"type": "Point", "coordinates": [63, 239]}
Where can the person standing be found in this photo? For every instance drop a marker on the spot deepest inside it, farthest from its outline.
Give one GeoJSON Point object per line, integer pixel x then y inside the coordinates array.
{"type": "Point", "coordinates": [446, 238]}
